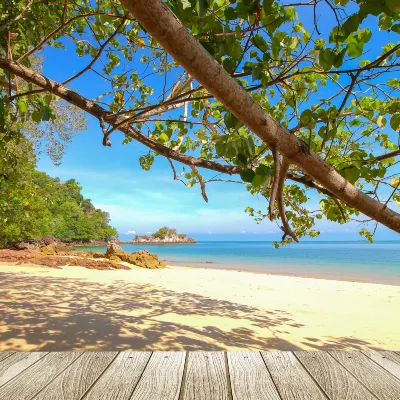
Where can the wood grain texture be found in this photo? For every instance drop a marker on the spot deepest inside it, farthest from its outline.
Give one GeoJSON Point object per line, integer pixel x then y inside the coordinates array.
{"type": "Point", "coordinates": [33, 379]}
{"type": "Point", "coordinates": [120, 378]}
{"type": "Point", "coordinates": [74, 381]}
{"type": "Point", "coordinates": [386, 359]}
{"type": "Point", "coordinates": [11, 366]}
{"type": "Point", "coordinates": [250, 379]}
{"type": "Point", "coordinates": [5, 354]}
{"type": "Point", "coordinates": [291, 379]}
{"type": "Point", "coordinates": [378, 381]}
{"type": "Point", "coordinates": [332, 377]}
{"type": "Point", "coordinates": [206, 377]}
{"type": "Point", "coordinates": [162, 378]}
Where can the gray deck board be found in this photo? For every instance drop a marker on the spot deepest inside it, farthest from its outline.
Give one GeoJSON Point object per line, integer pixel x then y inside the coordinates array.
{"type": "Point", "coordinates": [33, 379]}
{"type": "Point", "coordinates": [300, 375]}
{"type": "Point", "coordinates": [375, 378]}
{"type": "Point", "coordinates": [5, 354]}
{"type": "Point", "coordinates": [120, 378]}
{"type": "Point", "coordinates": [291, 378]}
{"type": "Point", "coordinates": [77, 378]}
{"type": "Point", "coordinates": [250, 378]}
{"type": "Point", "coordinates": [332, 377]}
{"type": "Point", "coordinates": [386, 359]}
{"type": "Point", "coordinates": [206, 377]}
{"type": "Point", "coordinates": [162, 378]}
{"type": "Point", "coordinates": [12, 366]}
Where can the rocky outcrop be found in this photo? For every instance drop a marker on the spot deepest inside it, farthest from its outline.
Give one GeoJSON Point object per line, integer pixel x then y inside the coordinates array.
{"type": "Point", "coordinates": [141, 258]}
{"type": "Point", "coordinates": [113, 249]}
{"type": "Point", "coordinates": [56, 261]}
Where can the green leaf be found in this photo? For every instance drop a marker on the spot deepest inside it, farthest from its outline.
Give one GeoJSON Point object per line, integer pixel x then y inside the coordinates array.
{"type": "Point", "coordinates": [351, 174]}
{"type": "Point", "coordinates": [229, 65]}
{"type": "Point", "coordinates": [46, 113]}
{"type": "Point", "coordinates": [395, 121]}
{"type": "Point", "coordinates": [365, 35]}
{"type": "Point", "coordinates": [393, 5]}
{"type": "Point", "coordinates": [247, 175]}
{"type": "Point", "coordinates": [259, 180]}
{"type": "Point", "coordinates": [306, 117]}
{"type": "Point", "coordinates": [22, 106]}
{"type": "Point", "coordinates": [163, 138]}
{"type": "Point", "coordinates": [241, 159]}
{"type": "Point", "coordinates": [355, 48]}
{"type": "Point", "coordinates": [381, 121]}
{"type": "Point", "coordinates": [256, 72]}
{"type": "Point", "coordinates": [186, 4]}
{"type": "Point", "coordinates": [350, 25]}
{"type": "Point", "coordinates": [396, 28]}
{"type": "Point", "coordinates": [267, 5]}
{"type": "Point", "coordinates": [201, 6]}
{"type": "Point", "coordinates": [231, 121]}
{"type": "Point", "coordinates": [326, 59]}
{"type": "Point", "coordinates": [47, 98]}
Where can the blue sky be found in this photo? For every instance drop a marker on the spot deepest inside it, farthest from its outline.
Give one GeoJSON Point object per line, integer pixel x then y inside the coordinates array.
{"type": "Point", "coordinates": [140, 201]}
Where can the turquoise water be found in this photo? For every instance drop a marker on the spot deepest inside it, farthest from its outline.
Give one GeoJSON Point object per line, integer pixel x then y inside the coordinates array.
{"type": "Point", "coordinates": [378, 262]}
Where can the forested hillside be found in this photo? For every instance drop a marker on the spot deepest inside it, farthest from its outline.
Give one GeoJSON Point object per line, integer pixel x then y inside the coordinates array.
{"type": "Point", "coordinates": [33, 204]}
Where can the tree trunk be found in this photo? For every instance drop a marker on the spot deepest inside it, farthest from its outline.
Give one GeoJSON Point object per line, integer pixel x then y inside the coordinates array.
{"type": "Point", "coordinates": [165, 27]}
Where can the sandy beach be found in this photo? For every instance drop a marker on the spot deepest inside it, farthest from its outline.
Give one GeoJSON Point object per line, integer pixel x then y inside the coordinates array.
{"type": "Point", "coordinates": [180, 308]}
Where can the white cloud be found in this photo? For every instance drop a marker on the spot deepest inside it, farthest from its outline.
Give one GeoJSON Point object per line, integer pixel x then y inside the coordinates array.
{"type": "Point", "coordinates": [243, 232]}
{"type": "Point", "coordinates": [130, 232]}
{"type": "Point", "coordinates": [148, 233]}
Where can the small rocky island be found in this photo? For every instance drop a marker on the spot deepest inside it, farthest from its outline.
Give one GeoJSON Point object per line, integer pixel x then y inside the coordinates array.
{"type": "Point", "coordinates": [164, 235]}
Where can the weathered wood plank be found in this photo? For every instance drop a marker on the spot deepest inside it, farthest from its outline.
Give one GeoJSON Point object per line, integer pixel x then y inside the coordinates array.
{"type": "Point", "coordinates": [250, 379]}
{"type": "Point", "coordinates": [291, 379]}
{"type": "Point", "coordinates": [5, 354]}
{"type": "Point", "coordinates": [35, 378]}
{"type": "Point", "coordinates": [378, 381]}
{"type": "Point", "coordinates": [386, 359]}
{"type": "Point", "coordinates": [120, 378]}
{"type": "Point", "coordinates": [11, 366]}
{"type": "Point", "coordinates": [74, 381]}
{"type": "Point", "coordinates": [162, 378]}
{"type": "Point", "coordinates": [206, 377]}
{"type": "Point", "coordinates": [332, 377]}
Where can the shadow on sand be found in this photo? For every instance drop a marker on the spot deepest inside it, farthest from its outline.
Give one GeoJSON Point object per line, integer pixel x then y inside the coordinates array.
{"type": "Point", "coordinates": [59, 314]}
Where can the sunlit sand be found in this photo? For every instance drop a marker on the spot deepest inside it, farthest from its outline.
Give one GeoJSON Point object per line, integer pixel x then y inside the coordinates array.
{"type": "Point", "coordinates": [180, 308]}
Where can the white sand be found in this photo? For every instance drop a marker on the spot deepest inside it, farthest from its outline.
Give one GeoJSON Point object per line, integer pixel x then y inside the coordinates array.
{"type": "Point", "coordinates": [179, 308]}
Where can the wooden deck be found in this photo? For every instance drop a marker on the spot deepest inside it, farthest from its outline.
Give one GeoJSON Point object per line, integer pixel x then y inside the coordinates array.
{"type": "Point", "coordinates": [332, 375]}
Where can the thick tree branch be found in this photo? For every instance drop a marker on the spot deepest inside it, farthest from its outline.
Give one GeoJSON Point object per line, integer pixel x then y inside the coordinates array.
{"type": "Point", "coordinates": [99, 112]}
{"type": "Point", "coordinates": [94, 109]}
{"type": "Point", "coordinates": [165, 27]}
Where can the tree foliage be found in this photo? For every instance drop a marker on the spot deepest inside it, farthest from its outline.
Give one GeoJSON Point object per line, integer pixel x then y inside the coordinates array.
{"type": "Point", "coordinates": [326, 70]}
{"type": "Point", "coordinates": [33, 204]}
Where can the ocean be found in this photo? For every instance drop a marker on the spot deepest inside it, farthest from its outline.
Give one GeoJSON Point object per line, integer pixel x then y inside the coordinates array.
{"type": "Point", "coordinates": [360, 261]}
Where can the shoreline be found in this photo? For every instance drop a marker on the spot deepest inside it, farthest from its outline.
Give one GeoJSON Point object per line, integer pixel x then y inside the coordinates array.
{"type": "Point", "coordinates": [184, 308]}
{"type": "Point", "coordinates": [211, 265]}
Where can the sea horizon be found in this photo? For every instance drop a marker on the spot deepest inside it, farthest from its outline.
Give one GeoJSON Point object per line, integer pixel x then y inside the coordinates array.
{"type": "Point", "coordinates": [356, 260]}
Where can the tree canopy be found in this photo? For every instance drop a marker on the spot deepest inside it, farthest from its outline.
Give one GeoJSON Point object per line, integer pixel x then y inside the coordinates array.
{"type": "Point", "coordinates": [307, 100]}
{"type": "Point", "coordinates": [33, 204]}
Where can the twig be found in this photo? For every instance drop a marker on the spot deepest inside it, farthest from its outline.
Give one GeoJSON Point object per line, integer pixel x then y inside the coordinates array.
{"type": "Point", "coordinates": [201, 181]}
{"type": "Point", "coordinates": [106, 140]}
{"type": "Point", "coordinates": [275, 183]}
{"type": "Point", "coordinates": [282, 175]}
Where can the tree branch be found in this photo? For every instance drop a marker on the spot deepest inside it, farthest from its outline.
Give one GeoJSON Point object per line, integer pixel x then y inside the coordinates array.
{"type": "Point", "coordinates": [201, 181]}
{"type": "Point", "coordinates": [165, 27]}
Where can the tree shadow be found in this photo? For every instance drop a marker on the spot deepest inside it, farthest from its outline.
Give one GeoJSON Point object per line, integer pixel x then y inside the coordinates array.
{"type": "Point", "coordinates": [60, 314]}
